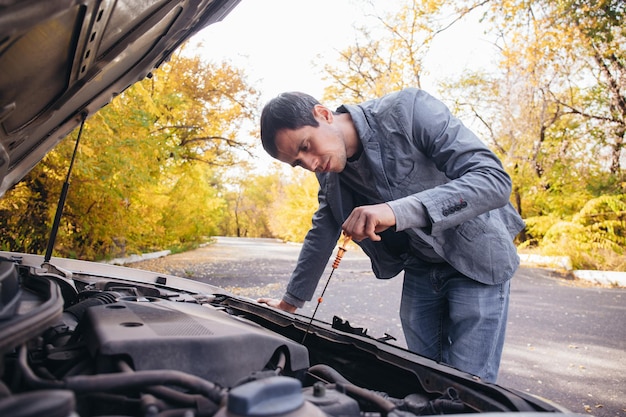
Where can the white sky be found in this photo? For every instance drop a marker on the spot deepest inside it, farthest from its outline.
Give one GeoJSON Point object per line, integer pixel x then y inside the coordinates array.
{"type": "Point", "coordinates": [278, 42]}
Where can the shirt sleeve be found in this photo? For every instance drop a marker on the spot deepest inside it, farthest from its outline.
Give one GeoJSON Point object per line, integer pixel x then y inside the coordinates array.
{"type": "Point", "coordinates": [417, 212]}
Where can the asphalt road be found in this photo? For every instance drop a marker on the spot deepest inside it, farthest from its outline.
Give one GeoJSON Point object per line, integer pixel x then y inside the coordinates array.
{"type": "Point", "coordinates": [566, 340]}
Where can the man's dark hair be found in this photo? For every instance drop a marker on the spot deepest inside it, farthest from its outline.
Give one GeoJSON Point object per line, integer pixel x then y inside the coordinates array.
{"type": "Point", "coordinates": [291, 110]}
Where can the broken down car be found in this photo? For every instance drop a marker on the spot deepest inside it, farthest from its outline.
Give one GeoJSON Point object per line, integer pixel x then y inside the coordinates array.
{"type": "Point", "coordinates": [88, 339]}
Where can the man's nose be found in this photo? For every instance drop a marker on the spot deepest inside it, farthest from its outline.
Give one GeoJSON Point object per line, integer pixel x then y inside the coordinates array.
{"type": "Point", "coordinates": [310, 163]}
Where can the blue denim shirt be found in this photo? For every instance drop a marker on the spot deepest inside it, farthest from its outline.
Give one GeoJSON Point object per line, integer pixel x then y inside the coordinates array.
{"type": "Point", "coordinates": [424, 161]}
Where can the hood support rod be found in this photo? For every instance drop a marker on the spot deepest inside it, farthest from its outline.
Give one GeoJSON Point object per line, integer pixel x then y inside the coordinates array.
{"type": "Point", "coordinates": [63, 196]}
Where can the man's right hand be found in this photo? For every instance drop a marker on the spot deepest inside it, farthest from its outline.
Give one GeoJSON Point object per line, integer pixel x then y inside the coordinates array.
{"type": "Point", "coordinates": [280, 304]}
{"type": "Point", "coordinates": [365, 222]}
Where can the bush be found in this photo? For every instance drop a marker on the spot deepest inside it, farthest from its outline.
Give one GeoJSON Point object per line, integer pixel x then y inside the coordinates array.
{"type": "Point", "coordinates": [593, 238]}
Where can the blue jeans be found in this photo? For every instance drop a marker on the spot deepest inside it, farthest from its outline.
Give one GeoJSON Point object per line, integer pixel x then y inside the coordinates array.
{"type": "Point", "coordinates": [453, 319]}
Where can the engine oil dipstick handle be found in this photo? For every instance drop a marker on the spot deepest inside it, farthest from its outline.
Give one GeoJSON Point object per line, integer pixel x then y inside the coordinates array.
{"type": "Point", "coordinates": [340, 252]}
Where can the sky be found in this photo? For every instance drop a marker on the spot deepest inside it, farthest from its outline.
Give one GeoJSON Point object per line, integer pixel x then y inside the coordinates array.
{"type": "Point", "coordinates": [283, 44]}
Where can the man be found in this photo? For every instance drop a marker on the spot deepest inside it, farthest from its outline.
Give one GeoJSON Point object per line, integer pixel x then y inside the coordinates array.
{"type": "Point", "coordinates": [419, 193]}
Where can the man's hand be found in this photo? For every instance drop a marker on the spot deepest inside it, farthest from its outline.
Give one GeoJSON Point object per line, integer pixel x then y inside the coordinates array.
{"type": "Point", "coordinates": [365, 221]}
{"type": "Point", "coordinates": [280, 304]}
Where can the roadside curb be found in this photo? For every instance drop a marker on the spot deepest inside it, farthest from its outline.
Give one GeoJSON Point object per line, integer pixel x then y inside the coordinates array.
{"type": "Point", "coordinates": [563, 263]}
{"type": "Point", "coordinates": [137, 258]}
{"type": "Point", "coordinates": [613, 278]}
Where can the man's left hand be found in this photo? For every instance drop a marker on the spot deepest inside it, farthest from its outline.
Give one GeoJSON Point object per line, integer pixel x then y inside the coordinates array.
{"type": "Point", "coordinates": [366, 221]}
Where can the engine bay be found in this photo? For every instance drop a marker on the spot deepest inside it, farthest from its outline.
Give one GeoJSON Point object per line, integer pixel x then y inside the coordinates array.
{"type": "Point", "coordinates": [75, 344]}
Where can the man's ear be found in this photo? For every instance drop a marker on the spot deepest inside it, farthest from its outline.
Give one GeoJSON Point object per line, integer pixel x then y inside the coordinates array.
{"type": "Point", "coordinates": [322, 112]}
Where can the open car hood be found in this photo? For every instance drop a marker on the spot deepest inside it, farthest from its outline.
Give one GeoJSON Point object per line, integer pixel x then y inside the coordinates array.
{"type": "Point", "coordinates": [62, 60]}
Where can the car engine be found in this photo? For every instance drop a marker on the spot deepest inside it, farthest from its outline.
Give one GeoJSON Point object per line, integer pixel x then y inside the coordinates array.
{"type": "Point", "coordinates": [96, 346]}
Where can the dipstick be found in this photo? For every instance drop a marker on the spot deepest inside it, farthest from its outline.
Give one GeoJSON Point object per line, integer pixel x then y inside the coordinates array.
{"type": "Point", "coordinates": [340, 252]}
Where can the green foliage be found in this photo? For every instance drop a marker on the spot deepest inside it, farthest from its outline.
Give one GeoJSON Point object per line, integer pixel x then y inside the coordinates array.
{"type": "Point", "coordinates": [593, 238]}
{"type": "Point", "coordinates": [537, 227]}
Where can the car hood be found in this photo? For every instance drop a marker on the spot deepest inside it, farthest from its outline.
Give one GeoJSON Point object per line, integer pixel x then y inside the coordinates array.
{"type": "Point", "coordinates": [61, 61]}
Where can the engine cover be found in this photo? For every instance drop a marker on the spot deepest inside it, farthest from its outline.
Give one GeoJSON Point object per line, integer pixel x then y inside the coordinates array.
{"type": "Point", "coordinates": [201, 340]}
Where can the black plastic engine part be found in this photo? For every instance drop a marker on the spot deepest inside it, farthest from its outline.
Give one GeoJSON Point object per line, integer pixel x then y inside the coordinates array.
{"type": "Point", "coordinates": [200, 340]}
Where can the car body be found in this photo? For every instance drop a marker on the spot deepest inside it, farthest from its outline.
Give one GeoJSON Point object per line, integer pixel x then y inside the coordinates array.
{"type": "Point", "coordinates": [89, 339]}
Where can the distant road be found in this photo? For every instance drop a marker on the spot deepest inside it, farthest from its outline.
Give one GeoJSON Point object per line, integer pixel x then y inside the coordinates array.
{"type": "Point", "coordinates": [566, 340]}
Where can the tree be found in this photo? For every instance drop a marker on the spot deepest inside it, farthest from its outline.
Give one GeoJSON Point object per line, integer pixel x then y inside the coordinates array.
{"type": "Point", "coordinates": [554, 110]}
{"type": "Point", "coordinates": [202, 109]}
{"type": "Point", "coordinates": [389, 58]}
{"type": "Point", "coordinates": [573, 51]}
{"type": "Point", "coordinates": [293, 210]}
{"type": "Point", "coordinates": [25, 216]}
{"type": "Point", "coordinates": [250, 201]}
{"type": "Point", "coordinates": [148, 168]}
{"type": "Point", "coordinates": [598, 27]}
{"type": "Point", "coordinates": [193, 207]}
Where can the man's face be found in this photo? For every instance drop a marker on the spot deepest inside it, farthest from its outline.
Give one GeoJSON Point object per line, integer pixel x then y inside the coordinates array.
{"type": "Point", "coordinates": [317, 149]}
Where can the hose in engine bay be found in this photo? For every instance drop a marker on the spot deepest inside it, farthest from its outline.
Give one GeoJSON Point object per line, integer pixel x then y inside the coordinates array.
{"type": "Point", "coordinates": [122, 381]}
{"type": "Point", "coordinates": [339, 382]}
